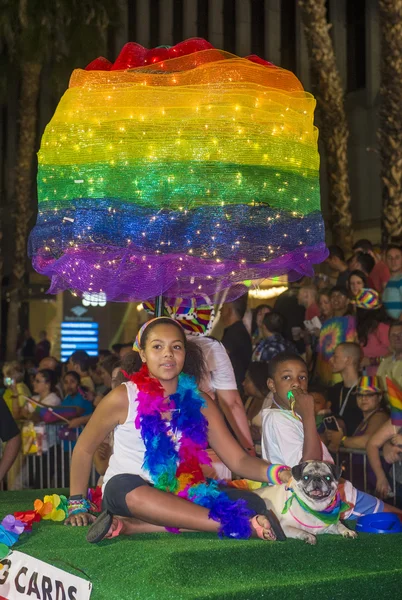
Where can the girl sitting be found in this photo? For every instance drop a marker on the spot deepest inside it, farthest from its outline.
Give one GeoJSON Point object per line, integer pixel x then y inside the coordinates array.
{"type": "Point", "coordinates": [162, 426]}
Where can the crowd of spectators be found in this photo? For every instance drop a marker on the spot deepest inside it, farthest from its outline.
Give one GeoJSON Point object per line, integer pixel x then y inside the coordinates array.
{"type": "Point", "coordinates": [350, 336]}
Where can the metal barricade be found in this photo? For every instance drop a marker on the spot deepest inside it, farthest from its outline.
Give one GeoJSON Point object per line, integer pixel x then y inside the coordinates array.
{"type": "Point", "coordinates": [345, 456]}
{"type": "Point", "coordinates": [46, 465]}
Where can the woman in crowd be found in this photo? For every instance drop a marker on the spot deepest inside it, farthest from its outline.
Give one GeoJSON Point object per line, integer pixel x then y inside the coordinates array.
{"type": "Point", "coordinates": [16, 393]}
{"type": "Point", "coordinates": [256, 324]}
{"type": "Point", "coordinates": [256, 390]}
{"type": "Point", "coordinates": [372, 329]}
{"type": "Point", "coordinates": [45, 388]}
{"type": "Point", "coordinates": [370, 401]}
{"type": "Point", "coordinates": [357, 281]}
{"type": "Point", "coordinates": [162, 425]}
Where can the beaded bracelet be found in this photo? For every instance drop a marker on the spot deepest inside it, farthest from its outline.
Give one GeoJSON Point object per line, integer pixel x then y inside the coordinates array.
{"type": "Point", "coordinates": [81, 505]}
{"type": "Point", "coordinates": [273, 474]}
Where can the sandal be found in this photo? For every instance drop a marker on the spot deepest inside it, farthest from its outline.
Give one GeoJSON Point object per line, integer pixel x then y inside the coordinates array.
{"type": "Point", "coordinates": [100, 528]}
{"type": "Point", "coordinates": [275, 526]}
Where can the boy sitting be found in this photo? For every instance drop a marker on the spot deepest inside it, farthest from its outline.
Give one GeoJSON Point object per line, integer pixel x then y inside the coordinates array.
{"type": "Point", "coordinates": [289, 438]}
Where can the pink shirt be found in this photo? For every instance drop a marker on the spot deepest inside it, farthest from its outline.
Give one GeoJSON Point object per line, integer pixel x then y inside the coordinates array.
{"type": "Point", "coordinates": [377, 346]}
{"type": "Point", "coordinates": [380, 276]}
{"type": "Point", "coordinates": [377, 342]}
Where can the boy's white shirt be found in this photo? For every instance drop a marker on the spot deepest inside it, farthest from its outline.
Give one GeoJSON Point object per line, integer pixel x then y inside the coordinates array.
{"type": "Point", "coordinates": [283, 438]}
{"type": "Point", "coordinates": [282, 443]}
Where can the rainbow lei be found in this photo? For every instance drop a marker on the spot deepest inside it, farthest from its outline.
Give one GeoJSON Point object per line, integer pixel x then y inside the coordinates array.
{"type": "Point", "coordinates": [174, 462]}
{"type": "Point", "coordinates": [51, 508]}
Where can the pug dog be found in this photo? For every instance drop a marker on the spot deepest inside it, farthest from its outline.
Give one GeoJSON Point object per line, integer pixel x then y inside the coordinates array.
{"type": "Point", "coordinates": [316, 484]}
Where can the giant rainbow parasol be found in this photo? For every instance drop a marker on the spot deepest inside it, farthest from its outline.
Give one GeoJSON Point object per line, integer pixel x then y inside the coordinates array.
{"type": "Point", "coordinates": [178, 171]}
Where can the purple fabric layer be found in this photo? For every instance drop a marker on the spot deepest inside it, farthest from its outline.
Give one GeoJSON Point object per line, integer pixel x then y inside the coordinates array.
{"type": "Point", "coordinates": [126, 277]}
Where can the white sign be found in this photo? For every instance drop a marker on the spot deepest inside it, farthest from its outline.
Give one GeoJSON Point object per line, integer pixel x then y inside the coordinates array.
{"type": "Point", "coordinates": [26, 578]}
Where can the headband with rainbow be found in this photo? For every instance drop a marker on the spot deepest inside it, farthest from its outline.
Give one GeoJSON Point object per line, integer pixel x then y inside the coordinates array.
{"type": "Point", "coordinates": [137, 342]}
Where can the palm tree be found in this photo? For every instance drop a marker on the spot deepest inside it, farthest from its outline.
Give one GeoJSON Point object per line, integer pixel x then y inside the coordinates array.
{"type": "Point", "coordinates": [390, 126]}
{"type": "Point", "coordinates": [332, 117]}
{"type": "Point", "coordinates": [35, 33]}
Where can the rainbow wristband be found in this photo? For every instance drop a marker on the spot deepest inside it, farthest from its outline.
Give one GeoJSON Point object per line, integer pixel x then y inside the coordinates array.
{"type": "Point", "coordinates": [75, 507]}
{"type": "Point", "coordinates": [273, 474]}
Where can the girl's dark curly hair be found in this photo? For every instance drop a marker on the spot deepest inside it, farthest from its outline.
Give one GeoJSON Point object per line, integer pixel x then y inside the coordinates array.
{"type": "Point", "coordinates": [194, 363]}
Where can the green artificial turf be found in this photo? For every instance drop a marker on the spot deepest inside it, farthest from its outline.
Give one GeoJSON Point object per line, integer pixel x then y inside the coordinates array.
{"type": "Point", "coordinates": [200, 566]}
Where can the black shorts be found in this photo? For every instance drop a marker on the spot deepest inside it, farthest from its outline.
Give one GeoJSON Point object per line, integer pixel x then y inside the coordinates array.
{"type": "Point", "coordinates": [117, 488]}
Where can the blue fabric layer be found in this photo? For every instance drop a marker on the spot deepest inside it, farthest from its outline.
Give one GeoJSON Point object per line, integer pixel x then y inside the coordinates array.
{"type": "Point", "coordinates": [234, 232]}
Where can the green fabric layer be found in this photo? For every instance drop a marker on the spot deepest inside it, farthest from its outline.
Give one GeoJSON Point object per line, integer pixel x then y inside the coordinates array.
{"type": "Point", "coordinates": [200, 566]}
{"type": "Point", "coordinates": [174, 185]}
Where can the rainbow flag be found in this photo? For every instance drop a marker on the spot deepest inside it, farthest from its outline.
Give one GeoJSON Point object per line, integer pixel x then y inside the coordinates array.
{"type": "Point", "coordinates": [395, 400]}
{"type": "Point", "coordinates": [178, 171]}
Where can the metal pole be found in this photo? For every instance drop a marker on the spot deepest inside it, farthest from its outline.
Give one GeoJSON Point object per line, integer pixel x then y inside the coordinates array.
{"type": "Point", "coordinates": [159, 306]}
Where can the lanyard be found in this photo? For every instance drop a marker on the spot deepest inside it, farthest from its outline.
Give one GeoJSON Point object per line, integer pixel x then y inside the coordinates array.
{"type": "Point", "coordinates": [343, 406]}
{"type": "Point", "coordinates": [292, 412]}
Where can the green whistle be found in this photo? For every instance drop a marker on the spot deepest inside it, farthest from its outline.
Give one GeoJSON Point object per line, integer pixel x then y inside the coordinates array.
{"type": "Point", "coordinates": [291, 396]}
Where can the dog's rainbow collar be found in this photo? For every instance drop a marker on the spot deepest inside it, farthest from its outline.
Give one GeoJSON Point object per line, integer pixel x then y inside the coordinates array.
{"type": "Point", "coordinates": [329, 516]}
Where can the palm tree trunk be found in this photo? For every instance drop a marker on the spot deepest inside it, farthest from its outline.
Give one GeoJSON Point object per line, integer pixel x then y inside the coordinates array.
{"type": "Point", "coordinates": [332, 117]}
{"type": "Point", "coordinates": [390, 126]}
{"type": "Point", "coordinates": [1, 278]}
{"type": "Point", "coordinates": [28, 113]}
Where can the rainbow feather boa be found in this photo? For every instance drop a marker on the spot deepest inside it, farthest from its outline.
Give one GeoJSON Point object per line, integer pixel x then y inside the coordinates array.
{"type": "Point", "coordinates": [174, 461]}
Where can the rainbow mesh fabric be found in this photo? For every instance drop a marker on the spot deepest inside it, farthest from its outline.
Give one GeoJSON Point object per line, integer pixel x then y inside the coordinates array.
{"type": "Point", "coordinates": [178, 171]}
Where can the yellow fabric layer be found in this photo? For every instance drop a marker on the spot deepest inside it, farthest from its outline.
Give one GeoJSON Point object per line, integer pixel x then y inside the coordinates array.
{"type": "Point", "coordinates": [270, 129]}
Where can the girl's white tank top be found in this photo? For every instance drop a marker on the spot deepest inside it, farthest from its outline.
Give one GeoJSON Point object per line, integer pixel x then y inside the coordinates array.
{"type": "Point", "coordinates": [129, 449]}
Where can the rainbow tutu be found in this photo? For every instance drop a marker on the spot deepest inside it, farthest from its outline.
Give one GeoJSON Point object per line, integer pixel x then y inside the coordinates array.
{"type": "Point", "coordinates": [180, 171]}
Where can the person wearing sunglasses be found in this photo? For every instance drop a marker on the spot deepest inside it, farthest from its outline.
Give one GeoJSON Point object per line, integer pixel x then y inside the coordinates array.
{"type": "Point", "coordinates": [44, 386]}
